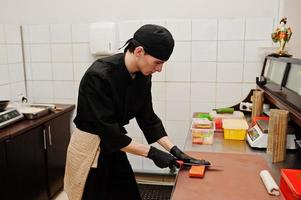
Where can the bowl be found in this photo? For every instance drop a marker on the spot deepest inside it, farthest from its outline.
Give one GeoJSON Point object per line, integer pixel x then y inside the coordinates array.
{"type": "Point", "coordinates": [3, 104]}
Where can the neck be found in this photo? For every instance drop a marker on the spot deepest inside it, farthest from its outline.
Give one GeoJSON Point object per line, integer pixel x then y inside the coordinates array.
{"type": "Point", "coordinates": [130, 63]}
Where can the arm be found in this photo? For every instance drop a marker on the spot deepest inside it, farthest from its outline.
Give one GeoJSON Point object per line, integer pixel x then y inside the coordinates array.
{"type": "Point", "coordinates": [160, 158]}
{"type": "Point", "coordinates": [136, 148]}
{"type": "Point", "coordinates": [166, 143]}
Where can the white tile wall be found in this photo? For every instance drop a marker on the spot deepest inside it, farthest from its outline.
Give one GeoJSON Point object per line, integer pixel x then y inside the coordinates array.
{"type": "Point", "coordinates": [41, 71]}
{"type": "Point", "coordinates": [81, 53]}
{"type": "Point", "coordinates": [12, 34]}
{"type": "Point", "coordinates": [203, 71]}
{"type": "Point", "coordinates": [204, 29]}
{"type": "Point", "coordinates": [5, 92]}
{"type": "Point", "coordinates": [2, 35]}
{"type": "Point", "coordinates": [203, 50]}
{"type": "Point", "coordinates": [39, 34]}
{"type": "Point", "coordinates": [160, 109]}
{"type": "Point", "coordinates": [127, 29]}
{"type": "Point", "coordinates": [259, 28]}
{"type": "Point", "coordinates": [3, 54]}
{"type": "Point", "coordinates": [181, 52]}
{"type": "Point", "coordinates": [178, 71]}
{"type": "Point", "coordinates": [11, 62]}
{"type": "Point", "coordinates": [60, 33]}
{"type": "Point", "coordinates": [40, 53]}
{"type": "Point", "coordinates": [251, 71]}
{"type": "Point", "coordinates": [228, 92]}
{"type": "Point", "coordinates": [4, 74]}
{"type": "Point", "coordinates": [80, 33]}
{"type": "Point", "coordinates": [230, 51]}
{"type": "Point", "coordinates": [254, 50]}
{"type": "Point", "coordinates": [231, 29]}
{"type": "Point", "coordinates": [61, 52]}
{"type": "Point", "coordinates": [203, 92]}
{"type": "Point", "coordinates": [214, 64]}
{"type": "Point", "coordinates": [229, 72]}
{"type": "Point", "coordinates": [180, 29]}
{"type": "Point", "coordinates": [62, 71]}
{"type": "Point", "coordinates": [14, 53]}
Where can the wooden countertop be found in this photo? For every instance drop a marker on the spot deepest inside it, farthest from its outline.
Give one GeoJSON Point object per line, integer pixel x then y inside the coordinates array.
{"type": "Point", "coordinates": [26, 124]}
{"type": "Point", "coordinates": [236, 178]}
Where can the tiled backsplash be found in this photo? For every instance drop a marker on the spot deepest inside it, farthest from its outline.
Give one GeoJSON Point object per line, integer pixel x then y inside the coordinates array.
{"type": "Point", "coordinates": [11, 63]}
{"type": "Point", "coordinates": [214, 64]}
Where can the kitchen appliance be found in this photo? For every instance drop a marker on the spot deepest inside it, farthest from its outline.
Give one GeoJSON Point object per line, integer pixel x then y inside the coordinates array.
{"type": "Point", "coordinates": [258, 138]}
{"type": "Point", "coordinates": [9, 116]}
{"type": "Point", "coordinates": [3, 104]}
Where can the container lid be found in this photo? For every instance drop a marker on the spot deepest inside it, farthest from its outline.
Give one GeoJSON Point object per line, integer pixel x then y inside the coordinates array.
{"type": "Point", "coordinates": [235, 124]}
{"type": "Point", "coordinates": [293, 179]}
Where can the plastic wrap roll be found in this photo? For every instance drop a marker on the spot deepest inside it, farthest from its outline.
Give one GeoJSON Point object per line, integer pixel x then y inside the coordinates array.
{"type": "Point", "coordinates": [269, 183]}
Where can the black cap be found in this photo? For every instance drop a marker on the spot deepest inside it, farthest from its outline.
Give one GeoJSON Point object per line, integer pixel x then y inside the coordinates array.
{"type": "Point", "coordinates": [156, 40]}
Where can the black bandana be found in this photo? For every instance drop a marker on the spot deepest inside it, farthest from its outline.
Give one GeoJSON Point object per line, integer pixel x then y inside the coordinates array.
{"type": "Point", "coordinates": [156, 40]}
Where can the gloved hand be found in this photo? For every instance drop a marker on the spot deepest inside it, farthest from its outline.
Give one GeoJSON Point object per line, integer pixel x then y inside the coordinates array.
{"type": "Point", "coordinates": [161, 158]}
{"type": "Point", "coordinates": [180, 155]}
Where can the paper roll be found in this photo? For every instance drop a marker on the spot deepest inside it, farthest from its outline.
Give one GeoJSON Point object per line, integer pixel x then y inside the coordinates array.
{"type": "Point", "coordinates": [269, 183]}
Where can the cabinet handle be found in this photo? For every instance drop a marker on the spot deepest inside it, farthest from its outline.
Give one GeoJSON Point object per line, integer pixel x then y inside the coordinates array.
{"type": "Point", "coordinates": [44, 138]}
{"type": "Point", "coordinates": [49, 136]}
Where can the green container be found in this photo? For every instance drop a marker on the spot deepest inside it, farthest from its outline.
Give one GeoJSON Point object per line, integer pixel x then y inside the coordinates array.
{"type": "Point", "coordinates": [204, 115]}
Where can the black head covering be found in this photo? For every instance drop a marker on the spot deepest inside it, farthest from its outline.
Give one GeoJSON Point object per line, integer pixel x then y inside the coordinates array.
{"type": "Point", "coordinates": [156, 40]}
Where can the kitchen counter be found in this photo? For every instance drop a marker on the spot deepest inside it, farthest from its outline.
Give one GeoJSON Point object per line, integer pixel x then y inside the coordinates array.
{"type": "Point", "coordinates": [24, 125]}
{"type": "Point", "coordinates": [293, 157]}
{"type": "Point", "coordinates": [237, 174]}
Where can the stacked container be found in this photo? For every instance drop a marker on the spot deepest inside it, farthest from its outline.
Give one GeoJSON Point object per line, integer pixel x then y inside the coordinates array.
{"type": "Point", "coordinates": [202, 130]}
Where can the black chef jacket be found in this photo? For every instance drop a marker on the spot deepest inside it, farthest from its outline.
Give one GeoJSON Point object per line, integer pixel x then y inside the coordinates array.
{"type": "Point", "coordinates": [109, 97]}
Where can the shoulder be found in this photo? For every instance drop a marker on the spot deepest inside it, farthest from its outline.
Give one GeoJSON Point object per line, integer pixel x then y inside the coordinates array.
{"type": "Point", "coordinates": [103, 67]}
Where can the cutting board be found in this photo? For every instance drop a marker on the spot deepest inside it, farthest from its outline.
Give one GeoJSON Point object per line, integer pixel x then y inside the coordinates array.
{"type": "Point", "coordinates": [239, 179]}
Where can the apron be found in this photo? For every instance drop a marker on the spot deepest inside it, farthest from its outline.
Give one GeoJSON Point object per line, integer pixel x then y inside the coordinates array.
{"type": "Point", "coordinates": [82, 154]}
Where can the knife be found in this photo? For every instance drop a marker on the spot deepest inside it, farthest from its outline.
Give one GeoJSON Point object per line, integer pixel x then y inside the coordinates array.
{"type": "Point", "coordinates": [208, 166]}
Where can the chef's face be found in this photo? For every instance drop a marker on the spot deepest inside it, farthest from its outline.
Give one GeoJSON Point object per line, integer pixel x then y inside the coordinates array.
{"type": "Point", "coordinates": [148, 64]}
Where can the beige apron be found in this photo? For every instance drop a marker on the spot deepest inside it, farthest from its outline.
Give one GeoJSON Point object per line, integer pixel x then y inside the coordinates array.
{"type": "Point", "coordinates": [82, 154]}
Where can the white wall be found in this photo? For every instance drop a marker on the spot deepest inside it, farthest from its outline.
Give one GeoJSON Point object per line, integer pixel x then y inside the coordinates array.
{"type": "Point", "coordinates": [291, 10]}
{"type": "Point", "coordinates": [84, 11]}
{"type": "Point", "coordinates": [219, 50]}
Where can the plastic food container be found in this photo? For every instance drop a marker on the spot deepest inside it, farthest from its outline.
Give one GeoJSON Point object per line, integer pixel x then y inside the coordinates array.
{"type": "Point", "coordinates": [235, 129]}
{"type": "Point", "coordinates": [290, 184]}
{"type": "Point", "coordinates": [202, 123]}
{"type": "Point", "coordinates": [202, 136]}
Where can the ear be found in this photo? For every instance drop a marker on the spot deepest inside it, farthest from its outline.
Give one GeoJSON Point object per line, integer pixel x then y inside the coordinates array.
{"type": "Point", "coordinates": [139, 51]}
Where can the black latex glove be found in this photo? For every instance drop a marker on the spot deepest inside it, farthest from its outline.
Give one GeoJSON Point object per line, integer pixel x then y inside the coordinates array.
{"type": "Point", "coordinates": [161, 158]}
{"type": "Point", "coordinates": [180, 155]}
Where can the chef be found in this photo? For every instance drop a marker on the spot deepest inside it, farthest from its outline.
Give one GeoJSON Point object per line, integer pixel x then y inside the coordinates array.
{"type": "Point", "coordinates": [113, 91]}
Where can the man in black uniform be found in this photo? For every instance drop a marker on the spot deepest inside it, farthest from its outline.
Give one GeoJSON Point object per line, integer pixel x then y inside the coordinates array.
{"type": "Point", "coordinates": [114, 90]}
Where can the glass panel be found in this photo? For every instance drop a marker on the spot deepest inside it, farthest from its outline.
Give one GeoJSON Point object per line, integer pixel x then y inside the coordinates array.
{"type": "Point", "coordinates": [294, 78]}
{"type": "Point", "coordinates": [275, 71]}
{"type": "Point", "coordinates": [266, 68]}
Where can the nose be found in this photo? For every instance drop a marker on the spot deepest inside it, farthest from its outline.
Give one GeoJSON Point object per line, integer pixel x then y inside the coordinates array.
{"type": "Point", "coordinates": [158, 68]}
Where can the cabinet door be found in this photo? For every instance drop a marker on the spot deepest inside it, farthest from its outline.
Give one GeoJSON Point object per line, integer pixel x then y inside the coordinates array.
{"type": "Point", "coordinates": [26, 166]}
{"type": "Point", "coordinates": [3, 171]}
{"type": "Point", "coordinates": [58, 136]}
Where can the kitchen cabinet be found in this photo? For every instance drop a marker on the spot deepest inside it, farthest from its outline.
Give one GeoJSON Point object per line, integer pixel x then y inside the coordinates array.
{"type": "Point", "coordinates": [35, 152]}
{"type": "Point", "coordinates": [57, 137]}
{"type": "Point", "coordinates": [26, 166]}
{"type": "Point", "coordinates": [3, 168]}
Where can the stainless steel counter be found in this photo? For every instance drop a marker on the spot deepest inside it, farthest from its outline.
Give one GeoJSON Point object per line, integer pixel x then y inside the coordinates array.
{"type": "Point", "coordinates": [293, 157]}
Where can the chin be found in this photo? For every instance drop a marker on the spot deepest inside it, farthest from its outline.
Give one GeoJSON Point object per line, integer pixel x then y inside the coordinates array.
{"type": "Point", "coordinates": [146, 73]}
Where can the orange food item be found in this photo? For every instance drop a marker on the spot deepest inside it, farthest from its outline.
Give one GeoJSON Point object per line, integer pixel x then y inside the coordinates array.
{"type": "Point", "coordinates": [197, 171]}
{"type": "Point", "coordinates": [197, 140]}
